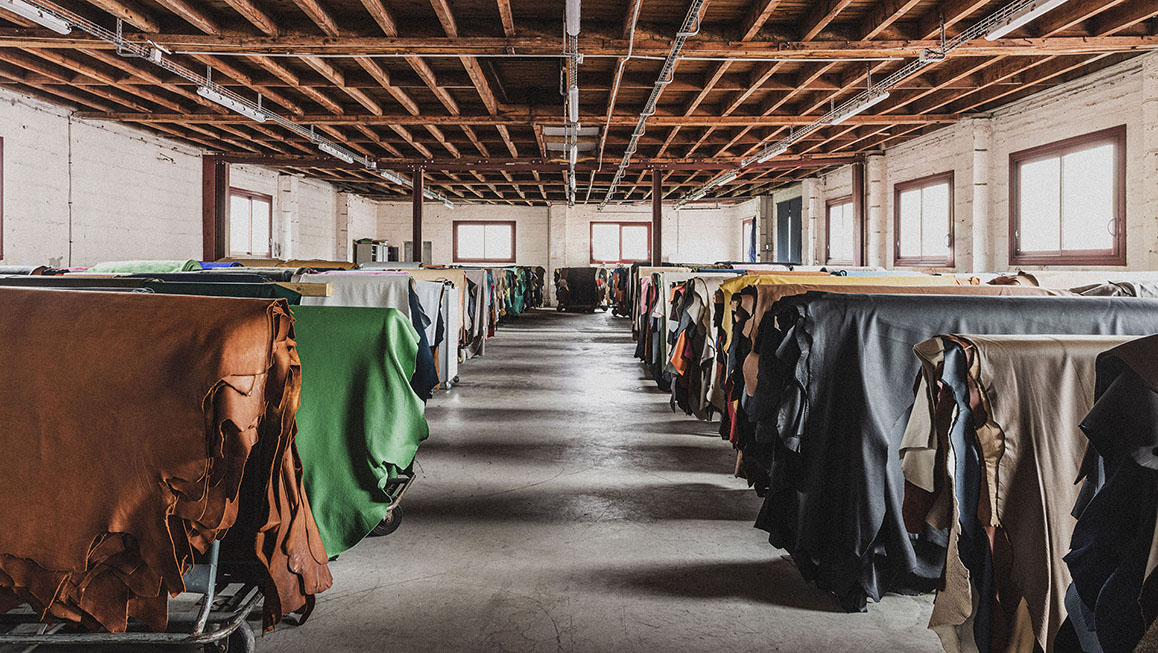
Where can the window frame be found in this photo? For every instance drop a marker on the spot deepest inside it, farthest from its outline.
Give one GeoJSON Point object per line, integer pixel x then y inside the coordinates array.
{"type": "Point", "coordinates": [469, 223]}
{"type": "Point", "coordinates": [828, 260]}
{"type": "Point", "coordinates": [745, 242]}
{"type": "Point", "coordinates": [1117, 255]}
{"type": "Point", "coordinates": [921, 183]}
{"type": "Point", "coordinates": [251, 195]}
{"type": "Point", "coordinates": [621, 225]}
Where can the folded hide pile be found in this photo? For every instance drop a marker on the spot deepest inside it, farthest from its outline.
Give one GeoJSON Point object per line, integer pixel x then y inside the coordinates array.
{"type": "Point", "coordinates": [138, 428]}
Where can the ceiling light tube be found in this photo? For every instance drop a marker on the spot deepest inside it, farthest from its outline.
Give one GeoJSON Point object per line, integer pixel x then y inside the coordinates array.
{"type": "Point", "coordinates": [214, 95]}
{"type": "Point", "coordinates": [573, 153]}
{"type": "Point", "coordinates": [572, 15]}
{"type": "Point", "coordinates": [336, 152]}
{"type": "Point", "coordinates": [573, 103]}
{"type": "Point", "coordinates": [37, 15]}
{"type": "Point", "coordinates": [726, 178]}
{"type": "Point", "coordinates": [772, 154]}
{"type": "Point", "coordinates": [1021, 17]}
{"type": "Point", "coordinates": [872, 101]}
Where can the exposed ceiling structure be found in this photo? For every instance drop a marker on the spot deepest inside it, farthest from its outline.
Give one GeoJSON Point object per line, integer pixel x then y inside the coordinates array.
{"type": "Point", "coordinates": [473, 91]}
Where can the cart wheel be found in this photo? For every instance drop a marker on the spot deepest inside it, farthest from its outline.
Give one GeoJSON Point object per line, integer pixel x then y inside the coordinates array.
{"type": "Point", "coordinates": [239, 641]}
{"type": "Point", "coordinates": [390, 524]}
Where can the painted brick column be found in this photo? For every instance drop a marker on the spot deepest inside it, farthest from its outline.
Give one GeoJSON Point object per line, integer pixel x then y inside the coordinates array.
{"type": "Point", "coordinates": [982, 218]}
{"type": "Point", "coordinates": [342, 228]}
{"type": "Point", "coordinates": [877, 230]}
{"type": "Point", "coordinates": [287, 226]}
{"type": "Point", "coordinates": [1149, 173]}
{"type": "Point", "coordinates": [812, 238]}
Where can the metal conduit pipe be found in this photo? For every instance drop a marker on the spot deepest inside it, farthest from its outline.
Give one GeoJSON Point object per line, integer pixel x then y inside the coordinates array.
{"type": "Point", "coordinates": [690, 27]}
{"type": "Point", "coordinates": [876, 93]}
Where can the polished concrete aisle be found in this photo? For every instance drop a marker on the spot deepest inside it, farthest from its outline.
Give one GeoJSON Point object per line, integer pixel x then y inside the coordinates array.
{"type": "Point", "coordinates": [562, 505]}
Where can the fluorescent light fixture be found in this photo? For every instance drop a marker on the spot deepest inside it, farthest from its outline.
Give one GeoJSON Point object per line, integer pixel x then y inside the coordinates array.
{"type": "Point", "coordinates": [726, 178]}
{"type": "Point", "coordinates": [1022, 16]}
{"type": "Point", "coordinates": [336, 152]}
{"type": "Point", "coordinates": [573, 103]}
{"type": "Point", "coordinates": [37, 15]}
{"type": "Point", "coordinates": [772, 154]}
{"type": "Point", "coordinates": [572, 15]}
{"type": "Point", "coordinates": [571, 182]}
{"type": "Point", "coordinates": [214, 95]}
{"type": "Point", "coordinates": [574, 153]}
{"type": "Point", "coordinates": [872, 101]}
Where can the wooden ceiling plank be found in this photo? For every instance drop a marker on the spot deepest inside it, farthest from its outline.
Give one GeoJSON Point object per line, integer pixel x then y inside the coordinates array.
{"type": "Point", "coordinates": [950, 12]}
{"type": "Point", "coordinates": [445, 16]}
{"type": "Point", "coordinates": [506, 136]}
{"type": "Point", "coordinates": [383, 78]}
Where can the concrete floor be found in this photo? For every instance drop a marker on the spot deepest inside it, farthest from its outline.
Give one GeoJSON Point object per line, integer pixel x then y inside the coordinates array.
{"type": "Point", "coordinates": [562, 505]}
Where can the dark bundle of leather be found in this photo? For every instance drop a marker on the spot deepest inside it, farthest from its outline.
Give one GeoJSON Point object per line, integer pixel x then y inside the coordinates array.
{"type": "Point", "coordinates": [137, 429]}
{"type": "Point", "coordinates": [1114, 598]}
{"type": "Point", "coordinates": [834, 393]}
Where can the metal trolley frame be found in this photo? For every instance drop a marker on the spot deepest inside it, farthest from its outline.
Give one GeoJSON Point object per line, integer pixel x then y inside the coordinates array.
{"type": "Point", "coordinates": [216, 620]}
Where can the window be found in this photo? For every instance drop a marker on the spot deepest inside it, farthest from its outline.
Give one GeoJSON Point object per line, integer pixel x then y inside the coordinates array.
{"type": "Point", "coordinates": [748, 241]}
{"type": "Point", "coordinates": [484, 242]}
{"type": "Point", "coordinates": [923, 211]}
{"type": "Point", "coordinates": [1067, 201]}
{"type": "Point", "coordinates": [840, 232]}
{"type": "Point", "coordinates": [250, 223]}
{"type": "Point", "coordinates": [620, 242]}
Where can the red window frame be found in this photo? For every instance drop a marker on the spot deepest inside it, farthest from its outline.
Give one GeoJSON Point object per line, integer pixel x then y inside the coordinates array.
{"type": "Point", "coordinates": [918, 184]}
{"type": "Point", "coordinates": [1117, 254]}
{"type": "Point", "coordinates": [484, 259]}
{"type": "Point", "coordinates": [251, 196]}
{"type": "Point", "coordinates": [621, 225]}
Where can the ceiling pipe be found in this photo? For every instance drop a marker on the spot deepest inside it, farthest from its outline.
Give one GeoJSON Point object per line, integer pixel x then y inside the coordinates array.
{"type": "Point", "coordinates": [690, 27]}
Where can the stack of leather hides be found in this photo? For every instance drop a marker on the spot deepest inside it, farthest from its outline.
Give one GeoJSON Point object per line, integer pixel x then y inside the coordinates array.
{"type": "Point", "coordinates": [138, 428]}
{"type": "Point", "coordinates": [360, 422]}
{"type": "Point", "coordinates": [738, 367]}
{"type": "Point", "coordinates": [577, 287]}
{"type": "Point", "coordinates": [991, 452]}
{"type": "Point", "coordinates": [832, 401]}
{"type": "Point", "coordinates": [1113, 600]}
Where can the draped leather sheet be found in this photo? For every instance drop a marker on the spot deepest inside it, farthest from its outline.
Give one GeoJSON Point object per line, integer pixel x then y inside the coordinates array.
{"type": "Point", "coordinates": [992, 451]}
{"type": "Point", "coordinates": [367, 289]}
{"type": "Point", "coordinates": [138, 428]}
{"type": "Point", "coordinates": [834, 394]}
{"type": "Point", "coordinates": [360, 422]}
{"type": "Point", "coordinates": [1114, 550]}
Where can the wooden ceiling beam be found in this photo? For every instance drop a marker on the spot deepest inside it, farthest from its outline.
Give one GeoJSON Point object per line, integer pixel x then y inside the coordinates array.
{"type": "Point", "coordinates": [883, 15]}
{"type": "Point", "coordinates": [948, 13]}
{"type": "Point", "coordinates": [594, 45]}
{"type": "Point", "coordinates": [478, 145]}
{"type": "Point", "coordinates": [383, 78]}
{"type": "Point", "coordinates": [758, 14]}
{"type": "Point", "coordinates": [374, 137]}
{"type": "Point", "coordinates": [139, 19]}
{"type": "Point", "coordinates": [383, 16]}
{"type": "Point", "coordinates": [320, 16]}
{"type": "Point", "coordinates": [1123, 17]}
{"type": "Point", "coordinates": [255, 15]}
{"type": "Point", "coordinates": [409, 138]}
{"type": "Point", "coordinates": [192, 15]}
{"type": "Point", "coordinates": [523, 118]}
{"type": "Point", "coordinates": [823, 13]}
{"type": "Point", "coordinates": [1070, 15]}
{"type": "Point", "coordinates": [427, 74]}
{"type": "Point", "coordinates": [506, 17]}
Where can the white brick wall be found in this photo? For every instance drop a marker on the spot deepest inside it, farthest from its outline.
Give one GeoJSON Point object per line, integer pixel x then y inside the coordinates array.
{"type": "Point", "coordinates": [132, 195]}
{"type": "Point", "coordinates": [559, 236]}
